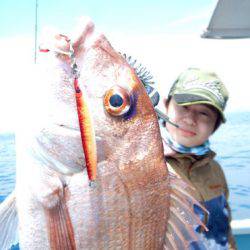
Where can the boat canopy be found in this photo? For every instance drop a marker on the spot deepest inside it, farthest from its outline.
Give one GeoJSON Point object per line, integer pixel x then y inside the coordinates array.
{"type": "Point", "coordinates": [230, 19]}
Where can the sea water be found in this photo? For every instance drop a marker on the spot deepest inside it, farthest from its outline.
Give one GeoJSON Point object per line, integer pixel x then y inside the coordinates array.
{"type": "Point", "coordinates": [232, 145]}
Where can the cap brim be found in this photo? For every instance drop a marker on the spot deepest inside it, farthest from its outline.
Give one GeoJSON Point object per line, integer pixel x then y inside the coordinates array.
{"type": "Point", "coordinates": [190, 99]}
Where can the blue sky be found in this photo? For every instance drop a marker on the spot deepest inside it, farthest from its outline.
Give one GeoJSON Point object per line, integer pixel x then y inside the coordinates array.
{"type": "Point", "coordinates": [141, 16]}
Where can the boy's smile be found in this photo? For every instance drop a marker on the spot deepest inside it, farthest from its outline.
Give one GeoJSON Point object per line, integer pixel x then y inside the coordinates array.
{"type": "Point", "coordinates": [186, 133]}
{"type": "Point", "coordinates": [196, 123]}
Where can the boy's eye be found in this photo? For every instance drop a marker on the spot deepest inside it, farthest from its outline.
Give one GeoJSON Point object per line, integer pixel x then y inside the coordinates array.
{"type": "Point", "coordinates": [204, 113]}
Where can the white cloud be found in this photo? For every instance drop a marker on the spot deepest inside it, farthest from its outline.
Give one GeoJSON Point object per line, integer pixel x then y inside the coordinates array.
{"type": "Point", "coordinates": [194, 22]}
{"type": "Point", "coordinates": [166, 56]}
{"type": "Point", "coordinates": [190, 19]}
{"type": "Point", "coordinates": [16, 57]}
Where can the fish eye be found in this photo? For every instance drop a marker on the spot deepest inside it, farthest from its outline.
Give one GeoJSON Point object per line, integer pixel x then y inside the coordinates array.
{"type": "Point", "coordinates": [117, 101]}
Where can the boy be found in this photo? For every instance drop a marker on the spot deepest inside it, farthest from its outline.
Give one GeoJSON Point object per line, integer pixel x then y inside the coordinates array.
{"type": "Point", "coordinates": [195, 104]}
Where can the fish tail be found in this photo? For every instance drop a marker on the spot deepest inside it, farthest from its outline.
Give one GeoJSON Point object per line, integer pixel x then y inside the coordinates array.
{"type": "Point", "coordinates": [8, 222]}
{"type": "Point", "coordinates": [183, 222]}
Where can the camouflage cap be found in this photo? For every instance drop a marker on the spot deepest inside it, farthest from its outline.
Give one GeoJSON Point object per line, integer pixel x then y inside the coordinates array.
{"type": "Point", "coordinates": [195, 86]}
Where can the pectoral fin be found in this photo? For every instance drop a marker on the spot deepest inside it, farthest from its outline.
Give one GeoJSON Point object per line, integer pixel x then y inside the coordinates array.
{"type": "Point", "coordinates": [8, 222]}
{"type": "Point", "coordinates": [183, 222]}
{"type": "Point", "coordinates": [60, 229]}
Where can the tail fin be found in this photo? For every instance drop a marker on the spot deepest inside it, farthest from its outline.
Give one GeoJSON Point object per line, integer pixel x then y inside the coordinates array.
{"type": "Point", "coordinates": [8, 222]}
{"type": "Point", "coordinates": [182, 220]}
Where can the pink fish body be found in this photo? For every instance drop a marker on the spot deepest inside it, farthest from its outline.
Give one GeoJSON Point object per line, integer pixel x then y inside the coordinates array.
{"type": "Point", "coordinates": [129, 205]}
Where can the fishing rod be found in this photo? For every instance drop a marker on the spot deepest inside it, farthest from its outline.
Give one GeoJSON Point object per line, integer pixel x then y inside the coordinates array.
{"type": "Point", "coordinates": [35, 49]}
{"type": "Point", "coordinates": [155, 98]}
{"type": "Point", "coordinates": [165, 117]}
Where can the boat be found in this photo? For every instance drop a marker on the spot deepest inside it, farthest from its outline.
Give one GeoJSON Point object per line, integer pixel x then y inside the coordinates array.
{"type": "Point", "coordinates": [241, 232]}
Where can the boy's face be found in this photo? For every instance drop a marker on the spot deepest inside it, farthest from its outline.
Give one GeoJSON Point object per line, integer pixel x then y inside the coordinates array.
{"type": "Point", "coordinates": [196, 123]}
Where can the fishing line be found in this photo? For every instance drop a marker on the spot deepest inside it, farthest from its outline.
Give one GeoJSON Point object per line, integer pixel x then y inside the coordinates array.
{"type": "Point", "coordinates": [165, 118]}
